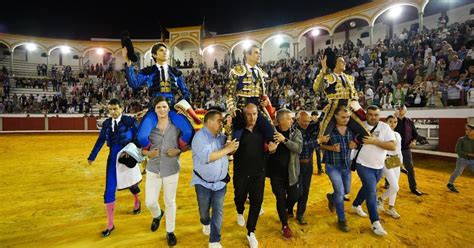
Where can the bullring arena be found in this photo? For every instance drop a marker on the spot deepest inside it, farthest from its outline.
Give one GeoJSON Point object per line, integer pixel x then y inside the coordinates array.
{"type": "Point", "coordinates": [52, 197]}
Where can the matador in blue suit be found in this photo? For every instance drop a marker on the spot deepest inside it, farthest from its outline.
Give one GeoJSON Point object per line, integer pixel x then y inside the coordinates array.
{"type": "Point", "coordinates": [167, 81]}
{"type": "Point", "coordinates": [117, 131]}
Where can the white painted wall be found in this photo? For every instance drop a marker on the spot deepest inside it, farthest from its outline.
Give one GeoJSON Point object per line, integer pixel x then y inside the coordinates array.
{"type": "Point", "coordinates": [218, 53]}
{"type": "Point", "coordinates": [33, 57]}
{"type": "Point", "coordinates": [239, 52]}
{"type": "Point", "coordinates": [67, 58]}
{"type": "Point", "coordinates": [94, 58]}
{"type": "Point", "coordinates": [186, 50]}
{"type": "Point", "coordinates": [319, 42]}
{"type": "Point", "coordinates": [271, 50]}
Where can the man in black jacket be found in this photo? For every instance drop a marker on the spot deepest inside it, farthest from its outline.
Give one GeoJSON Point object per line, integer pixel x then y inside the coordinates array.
{"type": "Point", "coordinates": [249, 169]}
{"type": "Point", "coordinates": [407, 130]}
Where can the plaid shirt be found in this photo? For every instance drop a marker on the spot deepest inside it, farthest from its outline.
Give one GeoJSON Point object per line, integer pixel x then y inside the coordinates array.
{"type": "Point", "coordinates": [340, 159]}
{"type": "Point", "coordinates": [309, 140]}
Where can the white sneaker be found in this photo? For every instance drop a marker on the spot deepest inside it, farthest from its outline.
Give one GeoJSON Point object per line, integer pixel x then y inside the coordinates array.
{"type": "Point", "coordinates": [378, 229]}
{"type": "Point", "coordinates": [262, 212]}
{"type": "Point", "coordinates": [359, 211]}
{"type": "Point", "coordinates": [253, 243]}
{"type": "Point", "coordinates": [392, 212]}
{"type": "Point", "coordinates": [240, 220]}
{"type": "Point", "coordinates": [215, 245]}
{"type": "Point", "coordinates": [380, 203]}
{"type": "Point", "coordinates": [206, 229]}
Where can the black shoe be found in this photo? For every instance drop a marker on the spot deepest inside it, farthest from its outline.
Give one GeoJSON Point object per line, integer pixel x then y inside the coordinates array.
{"type": "Point", "coordinates": [155, 223]}
{"type": "Point", "coordinates": [301, 220]}
{"type": "Point", "coordinates": [139, 209]}
{"type": "Point", "coordinates": [346, 198]}
{"type": "Point", "coordinates": [342, 225]}
{"type": "Point", "coordinates": [417, 192]}
{"type": "Point", "coordinates": [403, 170]}
{"type": "Point", "coordinates": [171, 238]}
{"type": "Point", "coordinates": [107, 232]}
{"type": "Point", "coordinates": [452, 188]}
{"type": "Point", "coordinates": [330, 202]}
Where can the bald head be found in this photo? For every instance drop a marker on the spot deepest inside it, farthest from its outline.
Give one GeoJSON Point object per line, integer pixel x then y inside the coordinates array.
{"type": "Point", "coordinates": [303, 119]}
{"type": "Point", "coordinates": [250, 114]}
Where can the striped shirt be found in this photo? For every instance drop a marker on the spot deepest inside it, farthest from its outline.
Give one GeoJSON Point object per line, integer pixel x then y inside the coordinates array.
{"type": "Point", "coordinates": [340, 159]}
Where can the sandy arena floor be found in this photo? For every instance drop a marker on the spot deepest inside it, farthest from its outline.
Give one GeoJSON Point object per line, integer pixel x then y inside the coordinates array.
{"type": "Point", "coordinates": [50, 196]}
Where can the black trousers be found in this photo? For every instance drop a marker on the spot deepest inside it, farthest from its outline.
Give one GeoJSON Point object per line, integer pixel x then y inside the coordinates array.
{"type": "Point", "coordinates": [253, 186]}
{"type": "Point", "coordinates": [408, 163]}
{"type": "Point", "coordinates": [285, 195]}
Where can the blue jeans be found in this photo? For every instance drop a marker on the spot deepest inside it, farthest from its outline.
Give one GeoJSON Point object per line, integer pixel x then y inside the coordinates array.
{"type": "Point", "coordinates": [341, 183]}
{"type": "Point", "coordinates": [206, 199]}
{"type": "Point", "coordinates": [461, 164]}
{"type": "Point", "coordinates": [304, 180]}
{"type": "Point", "coordinates": [369, 177]}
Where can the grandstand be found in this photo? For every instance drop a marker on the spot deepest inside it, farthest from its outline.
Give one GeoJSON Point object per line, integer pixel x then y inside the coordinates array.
{"type": "Point", "coordinates": [49, 121]}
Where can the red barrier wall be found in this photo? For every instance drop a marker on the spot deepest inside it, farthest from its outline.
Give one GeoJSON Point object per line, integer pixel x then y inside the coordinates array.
{"type": "Point", "coordinates": [57, 123]}
{"type": "Point", "coordinates": [23, 123]}
{"type": "Point", "coordinates": [91, 123]}
{"type": "Point", "coordinates": [449, 132]}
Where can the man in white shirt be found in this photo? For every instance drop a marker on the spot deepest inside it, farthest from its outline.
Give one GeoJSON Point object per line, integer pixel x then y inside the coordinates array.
{"type": "Point", "coordinates": [369, 95]}
{"type": "Point", "coordinates": [370, 163]}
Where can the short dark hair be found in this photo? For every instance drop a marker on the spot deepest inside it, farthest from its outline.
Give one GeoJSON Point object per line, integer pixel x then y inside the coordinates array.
{"type": "Point", "coordinates": [341, 108]}
{"type": "Point", "coordinates": [155, 48]}
{"type": "Point", "coordinates": [115, 101]}
{"type": "Point", "coordinates": [159, 99]}
{"type": "Point", "coordinates": [211, 114]}
{"type": "Point", "coordinates": [314, 113]}
{"type": "Point", "coordinates": [390, 117]}
{"type": "Point", "coordinates": [249, 50]}
{"type": "Point", "coordinates": [373, 107]}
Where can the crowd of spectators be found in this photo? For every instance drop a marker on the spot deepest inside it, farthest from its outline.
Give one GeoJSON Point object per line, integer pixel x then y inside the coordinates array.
{"type": "Point", "coordinates": [431, 68]}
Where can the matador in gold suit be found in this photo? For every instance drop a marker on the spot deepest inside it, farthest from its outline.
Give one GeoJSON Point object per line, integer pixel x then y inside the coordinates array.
{"type": "Point", "coordinates": [339, 90]}
{"type": "Point", "coordinates": [247, 85]}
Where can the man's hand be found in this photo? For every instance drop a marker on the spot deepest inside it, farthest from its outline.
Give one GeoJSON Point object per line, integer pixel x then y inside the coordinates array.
{"type": "Point", "coordinates": [323, 139]}
{"type": "Point", "coordinates": [278, 137]}
{"type": "Point", "coordinates": [173, 152]}
{"type": "Point", "coordinates": [90, 161]}
{"type": "Point", "coordinates": [412, 144]}
{"type": "Point", "coordinates": [232, 146]}
{"type": "Point", "coordinates": [352, 145]}
{"type": "Point", "coordinates": [370, 140]}
{"type": "Point", "coordinates": [336, 147]}
{"type": "Point", "coordinates": [272, 146]}
{"type": "Point", "coordinates": [124, 54]}
{"type": "Point", "coordinates": [233, 112]}
{"type": "Point", "coordinates": [324, 66]}
{"type": "Point", "coordinates": [154, 153]}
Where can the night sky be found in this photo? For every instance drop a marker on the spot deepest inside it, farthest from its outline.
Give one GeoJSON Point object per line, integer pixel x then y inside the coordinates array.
{"type": "Point", "coordinates": [87, 19]}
